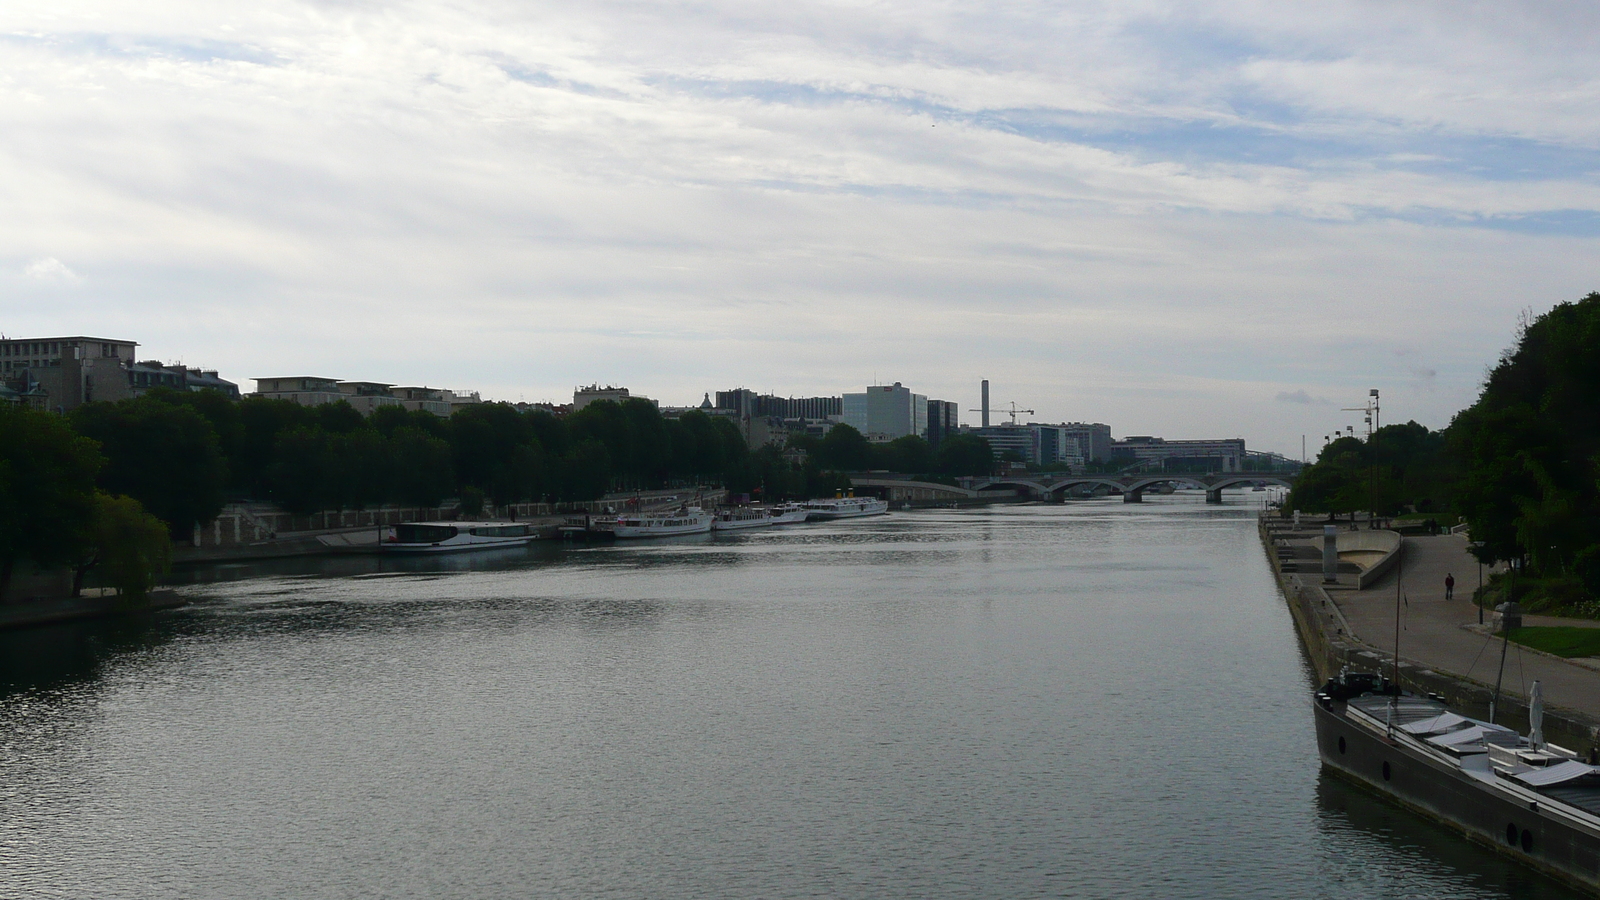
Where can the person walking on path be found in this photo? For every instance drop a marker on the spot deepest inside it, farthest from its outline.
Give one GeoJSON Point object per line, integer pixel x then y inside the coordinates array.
{"type": "Point", "coordinates": [1449, 586]}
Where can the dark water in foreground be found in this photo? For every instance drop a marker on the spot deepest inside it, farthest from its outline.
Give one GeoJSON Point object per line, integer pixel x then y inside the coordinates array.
{"type": "Point", "coordinates": [1062, 701]}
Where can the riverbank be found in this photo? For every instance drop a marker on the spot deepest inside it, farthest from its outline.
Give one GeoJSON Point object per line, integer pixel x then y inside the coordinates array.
{"type": "Point", "coordinates": [92, 604]}
{"type": "Point", "coordinates": [1442, 648]}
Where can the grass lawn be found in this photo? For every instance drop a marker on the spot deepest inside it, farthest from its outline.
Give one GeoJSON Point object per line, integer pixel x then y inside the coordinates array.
{"type": "Point", "coordinates": [1561, 640]}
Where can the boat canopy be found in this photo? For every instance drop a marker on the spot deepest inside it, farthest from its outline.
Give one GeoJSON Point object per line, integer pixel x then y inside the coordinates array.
{"type": "Point", "coordinates": [1559, 773]}
{"type": "Point", "coordinates": [1480, 731]}
{"type": "Point", "coordinates": [1436, 724]}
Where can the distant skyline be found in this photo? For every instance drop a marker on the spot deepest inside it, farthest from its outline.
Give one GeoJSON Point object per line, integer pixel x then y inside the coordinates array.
{"type": "Point", "coordinates": [1192, 220]}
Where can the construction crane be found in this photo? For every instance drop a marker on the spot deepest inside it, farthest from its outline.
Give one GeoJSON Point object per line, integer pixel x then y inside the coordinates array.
{"type": "Point", "coordinates": [1013, 412]}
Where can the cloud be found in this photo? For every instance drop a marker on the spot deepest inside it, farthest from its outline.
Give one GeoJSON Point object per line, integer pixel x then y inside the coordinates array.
{"type": "Point", "coordinates": [1302, 398]}
{"type": "Point", "coordinates": [51, 270]}
{"type": "Point", "coordinates": [521, 197]}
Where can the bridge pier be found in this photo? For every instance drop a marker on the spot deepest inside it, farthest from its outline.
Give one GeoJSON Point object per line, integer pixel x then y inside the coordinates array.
{"type": "Point", "coordinates": [1133, 496]}
{"type": "Point", "coordinates": [1214, 496]}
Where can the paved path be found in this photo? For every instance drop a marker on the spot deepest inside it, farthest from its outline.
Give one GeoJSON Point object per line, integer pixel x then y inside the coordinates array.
{"type": "Point", "coordinates": [1433, 632]}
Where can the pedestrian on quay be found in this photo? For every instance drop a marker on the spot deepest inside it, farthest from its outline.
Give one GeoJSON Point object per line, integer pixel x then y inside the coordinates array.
{"type": "Point", "coordinates": [1449, 586]}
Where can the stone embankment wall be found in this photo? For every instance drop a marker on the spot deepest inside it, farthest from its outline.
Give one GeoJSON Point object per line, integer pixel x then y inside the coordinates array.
{"type": "Point", "coordinates": [1330, 647]}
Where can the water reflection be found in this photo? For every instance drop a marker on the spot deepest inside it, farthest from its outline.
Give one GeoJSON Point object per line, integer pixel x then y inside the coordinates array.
{"type": "Point", "coordinates": [1090, 699]}
{"type": "Point", "coordinates": [1397, 853]}
{"type": "Point", "coordinates": [59, 654]}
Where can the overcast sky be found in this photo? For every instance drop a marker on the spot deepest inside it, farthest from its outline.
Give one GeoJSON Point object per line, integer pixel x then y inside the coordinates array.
{"type": "Point", "coordinates": [1184, 219]}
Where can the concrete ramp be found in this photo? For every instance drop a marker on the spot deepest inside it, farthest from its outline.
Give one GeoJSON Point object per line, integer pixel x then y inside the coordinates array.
{"type": "Point", "coordinates": [1376, 552]}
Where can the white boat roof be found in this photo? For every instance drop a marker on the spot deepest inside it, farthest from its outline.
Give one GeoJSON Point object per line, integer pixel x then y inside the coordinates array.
{"type": "Point", "coordinates": [1435, 724]}
{"type": "Point", "coordinates": [1556, 774]}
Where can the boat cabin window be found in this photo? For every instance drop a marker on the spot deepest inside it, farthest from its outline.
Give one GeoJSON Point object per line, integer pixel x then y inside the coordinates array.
{"type": "Point", "coordinates": [423, 534]}
{"type": "Point", "coordinates": [500, 531]}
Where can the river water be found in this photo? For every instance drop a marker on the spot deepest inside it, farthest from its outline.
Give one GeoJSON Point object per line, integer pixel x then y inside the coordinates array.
{"type": "Point", "coordinates": [1082, 700]}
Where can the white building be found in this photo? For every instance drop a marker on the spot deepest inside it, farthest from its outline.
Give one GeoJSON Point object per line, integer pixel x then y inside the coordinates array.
{"type": "Point", "coordinates": [884, 412]}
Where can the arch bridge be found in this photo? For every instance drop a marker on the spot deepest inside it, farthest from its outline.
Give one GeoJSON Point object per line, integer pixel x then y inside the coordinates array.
{"type": "Point", "coordinates": [1132, 487]}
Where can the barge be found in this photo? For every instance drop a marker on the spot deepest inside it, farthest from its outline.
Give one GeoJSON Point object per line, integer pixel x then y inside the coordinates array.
{"type": "Point", "coordinates": [1527, 798]}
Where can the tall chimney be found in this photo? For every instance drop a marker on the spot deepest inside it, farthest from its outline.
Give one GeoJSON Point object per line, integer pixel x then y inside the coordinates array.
{"type": "Point", "coordinates": [985, 403]}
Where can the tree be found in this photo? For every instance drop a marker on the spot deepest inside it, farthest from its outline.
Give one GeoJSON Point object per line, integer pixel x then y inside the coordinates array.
{"type": "Point", "coordinates": [47, 491]}
{"type": "Point", "coordinates": [298, 475]}
{"type": "Point", "coordinates": [165, 456]}
{"type": "Point", "coordinates": [965, 454]}
{"type": "Point", "coordinates": [1525, 453]}
{"type": "Point", "coordinates": [422, 468]}
{"type": "Point", "coordinates": [907, 454]}
{"type": "Point", "coordinates": [844, 449]}
{"type": "Point", "coordinates": [130, 547]}
{"type": "Point", "coordinates": [262, 421]}
{"type": "Point", "coordinates": [483, 437]}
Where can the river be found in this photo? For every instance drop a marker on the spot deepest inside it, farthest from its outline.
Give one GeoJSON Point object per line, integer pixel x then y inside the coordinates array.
{"type": "Point", "coordinates": [1083, 700]}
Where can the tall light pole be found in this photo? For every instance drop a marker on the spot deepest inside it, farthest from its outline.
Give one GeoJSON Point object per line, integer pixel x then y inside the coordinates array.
{"type": "Point", "coordinates": [1371, 418]}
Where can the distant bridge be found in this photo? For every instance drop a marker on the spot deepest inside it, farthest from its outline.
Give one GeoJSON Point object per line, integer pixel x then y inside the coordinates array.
{"type": "Point", "coordinates": [1053, 487]}
{"type": "Point", "coordinates": [1131, 487]}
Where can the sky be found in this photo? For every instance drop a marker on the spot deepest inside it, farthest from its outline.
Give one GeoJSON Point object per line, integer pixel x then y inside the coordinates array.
{"type": "Point", "coordinates": [1193, 220]}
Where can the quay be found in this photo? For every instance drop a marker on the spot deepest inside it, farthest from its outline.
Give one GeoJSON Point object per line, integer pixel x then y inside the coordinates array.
{"type": "Point", "coordinates": [1443, 649]}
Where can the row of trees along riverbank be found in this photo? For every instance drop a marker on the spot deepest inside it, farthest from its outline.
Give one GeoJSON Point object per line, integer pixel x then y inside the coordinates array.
{"type": "Point", "coordinates": [53, 515]}
{"type": "Point", "coordinates": [1521, 466]}
{"type": "Point", "coordinates": [183, 455]}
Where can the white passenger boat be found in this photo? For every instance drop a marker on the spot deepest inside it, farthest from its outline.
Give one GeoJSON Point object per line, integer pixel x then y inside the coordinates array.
{"type": "Point", "coordinates": [448, 537]}
{"type": "Point", "coordinates": [790, 514]}
{"type": "Point", "coordinates": [845, 507]}
{"type": "Point", "coordinates": [756, 517]}
{"type": "Point", "coordinates": [687, 520]}
{"type": "Point", "coordinates": [741, 518]}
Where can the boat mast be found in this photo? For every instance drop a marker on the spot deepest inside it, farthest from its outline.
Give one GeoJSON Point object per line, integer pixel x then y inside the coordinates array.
{"type": "Point", "coordinates": [1399, 577]}
{"type": "Point", "coordinates": [1505, 644]}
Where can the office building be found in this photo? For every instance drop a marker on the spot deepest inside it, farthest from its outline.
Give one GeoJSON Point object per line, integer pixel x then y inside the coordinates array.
{"type": "Point", "coordinates": [1093, 439]}
{"type": "Point", "coordinates": [1037, 445]}
{"type": "Point", "coordinates": [885, 412]}
{"type": "Point", "coordinates": [943, 420]}
{"type": "Point", "coordinates": [1223, 455]}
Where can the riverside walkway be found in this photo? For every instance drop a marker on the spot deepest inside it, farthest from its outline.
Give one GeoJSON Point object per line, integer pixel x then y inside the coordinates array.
{"type": "Point", "coordinates": [1443, 635]}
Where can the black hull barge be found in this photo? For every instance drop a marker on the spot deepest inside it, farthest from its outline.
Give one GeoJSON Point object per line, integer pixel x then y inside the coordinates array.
{"type": "Point", "coordinates": [1528, 799]}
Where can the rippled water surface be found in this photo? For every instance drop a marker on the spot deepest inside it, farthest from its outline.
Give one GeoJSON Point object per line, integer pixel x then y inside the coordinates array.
{"type": "Point", "coordinates": [1090, 700]}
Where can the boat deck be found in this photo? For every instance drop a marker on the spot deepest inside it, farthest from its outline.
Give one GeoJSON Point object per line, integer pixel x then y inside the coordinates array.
{"type": "Point", "coordinates": [1581, 793]}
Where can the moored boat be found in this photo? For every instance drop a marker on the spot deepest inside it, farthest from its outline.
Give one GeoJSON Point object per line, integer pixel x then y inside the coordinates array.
{"type": "Point", "coordinates": [449, 537]}
{"type": "Point", "coordinates": [1530, 799]}
{"type": "Point", "coordinates": [743, 517]}
{"type": "Point", "coordinates": [789, 514]}
{"type": "Point", "coordinates": [685, 520]}
{"type": "Point", "coordinates": [845, 507]}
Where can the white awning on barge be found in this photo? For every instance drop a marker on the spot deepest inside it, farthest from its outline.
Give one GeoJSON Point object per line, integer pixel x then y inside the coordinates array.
{"type": "Point", "coordinates": [1436, 724]}
{"type": "Point", "coordinates": [1560, 773]}
{"type": "Point", "coordinates": [1479, 732]}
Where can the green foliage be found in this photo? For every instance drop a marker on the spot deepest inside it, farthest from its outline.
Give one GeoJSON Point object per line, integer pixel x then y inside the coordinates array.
{"type": "Point", "coordinates": [167, 456]}
{"type": "Point", "coordinates": [131, 548]}
{"type": "Point", "coordinates": [844, 449]}
{"type": "Point", "coordinates": [423, 475]}
{"type": "Point", "coordinates": [965, 454]}
{"type": "Point", "coordinates": [906, 454]}
{"type": "Point", "coordinates": [471, 502]}
{"type": "Point", "coordinates": [1397, 468]}
{"type": "Point", "coordinates": [1564, 641]}
{"type": "Point", "coordinates": [47, 490]}
{"type": "Point", "coordinates": [1525, 453]}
